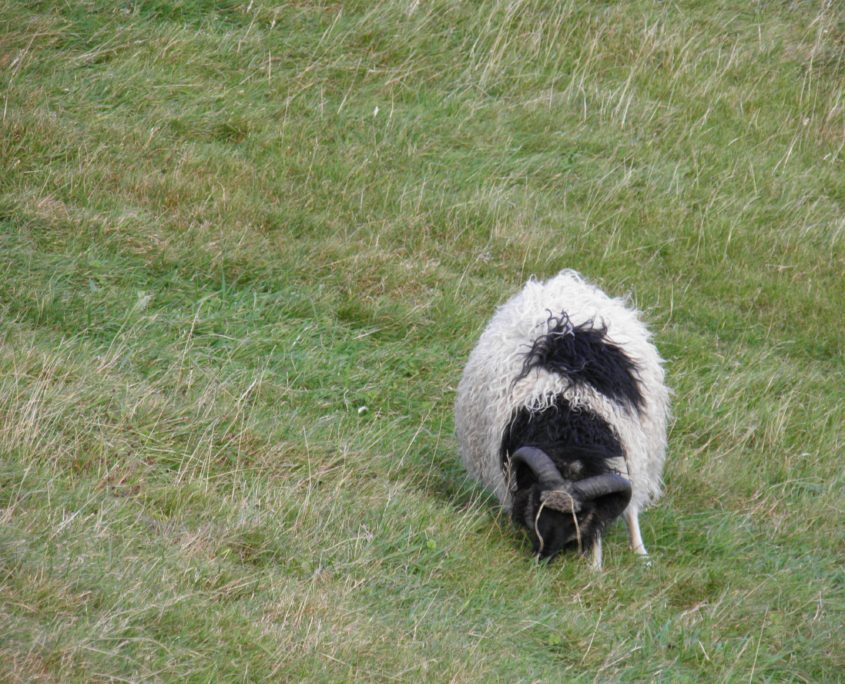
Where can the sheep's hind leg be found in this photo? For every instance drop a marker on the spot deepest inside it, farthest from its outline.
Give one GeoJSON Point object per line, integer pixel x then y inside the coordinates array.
{"type": "Point", "coordinates": [632, 521]}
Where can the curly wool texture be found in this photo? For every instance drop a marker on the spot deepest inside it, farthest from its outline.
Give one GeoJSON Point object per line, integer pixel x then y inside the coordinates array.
{"type": "Point", "coordinates": [491, 390]}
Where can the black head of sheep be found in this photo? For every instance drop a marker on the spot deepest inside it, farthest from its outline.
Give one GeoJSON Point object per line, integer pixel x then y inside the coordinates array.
{"type": "Point", "coordinates": [563, 513]}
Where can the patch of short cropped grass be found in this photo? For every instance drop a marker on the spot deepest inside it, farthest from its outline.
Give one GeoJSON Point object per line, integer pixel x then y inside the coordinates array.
{"type": "Point", "coordinates": [245, 249]}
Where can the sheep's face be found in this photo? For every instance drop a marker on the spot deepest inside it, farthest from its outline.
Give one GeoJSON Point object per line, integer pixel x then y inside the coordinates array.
{"type": "Point", "coordinates": [564, 503]}
{"type": "Point", "coordinates": [564, 518]}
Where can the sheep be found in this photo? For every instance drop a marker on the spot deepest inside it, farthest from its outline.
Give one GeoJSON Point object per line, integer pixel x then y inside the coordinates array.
{"type": "Point", "coordinates": [562, 411]}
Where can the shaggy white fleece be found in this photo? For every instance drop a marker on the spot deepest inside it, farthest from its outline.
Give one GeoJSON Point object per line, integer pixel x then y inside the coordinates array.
{"type": "Point", "coordinates": [487, 397]}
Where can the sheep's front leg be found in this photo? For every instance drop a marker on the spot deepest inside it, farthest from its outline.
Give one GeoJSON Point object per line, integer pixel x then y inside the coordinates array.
{"type": "Point", "coordinates": [632, 521]}
{"type": "Point", "coordinates": [595, 554]}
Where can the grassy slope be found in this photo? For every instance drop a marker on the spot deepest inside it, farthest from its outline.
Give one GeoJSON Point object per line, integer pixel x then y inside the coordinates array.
{"type": "Point", "coordinates": [225, 227]}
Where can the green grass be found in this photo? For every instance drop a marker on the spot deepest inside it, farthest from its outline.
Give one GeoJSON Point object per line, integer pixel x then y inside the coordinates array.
{"type": "Point", "coordinates": [245, 250]}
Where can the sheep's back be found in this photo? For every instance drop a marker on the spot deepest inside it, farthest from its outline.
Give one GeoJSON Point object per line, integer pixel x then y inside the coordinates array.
{"type": "Point", "coordinates": [488, 396]}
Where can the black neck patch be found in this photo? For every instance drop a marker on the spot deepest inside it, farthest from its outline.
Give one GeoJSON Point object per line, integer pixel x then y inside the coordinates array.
{"type": "Point", "coordinates": [569, 436]}
{"type": "Point", "coordinates": [585, 356]}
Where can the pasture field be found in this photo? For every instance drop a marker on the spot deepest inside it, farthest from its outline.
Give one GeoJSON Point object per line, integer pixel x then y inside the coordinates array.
{"type": "Point", "coordinates": [245, 249]}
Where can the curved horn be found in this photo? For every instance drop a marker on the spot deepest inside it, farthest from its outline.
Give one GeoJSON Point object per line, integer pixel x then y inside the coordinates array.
{"type": "Point", "coordinates": [602, 485]}
{"type": "Point", "coordinates": [540, 463]}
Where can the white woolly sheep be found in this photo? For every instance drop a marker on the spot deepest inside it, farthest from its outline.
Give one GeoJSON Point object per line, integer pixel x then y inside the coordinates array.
{"type": "Point", "coordinates": [562, 410]}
